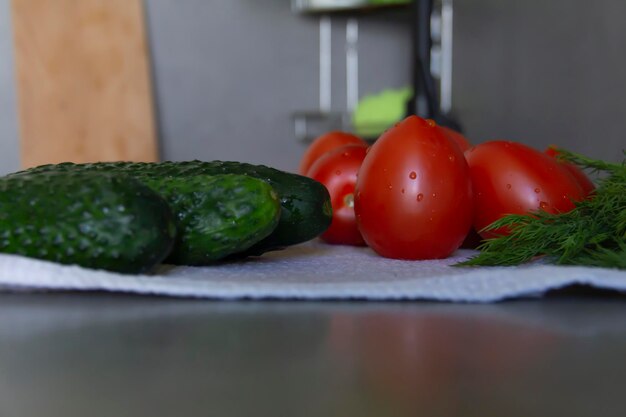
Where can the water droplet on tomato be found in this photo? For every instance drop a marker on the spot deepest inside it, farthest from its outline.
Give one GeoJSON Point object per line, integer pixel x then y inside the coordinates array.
{"type": "Point", "coordinates": [390, 186]}
{"type": "Point", "coordinates": [508, 186]}
{"type": "Point", "coordinates": [431, 122]}
{"type": "Point", "coordinates": [451, 158]}
{"type": "Point", "coordinates": [543, 205]}
{"type": "Point", "coordinates": [420, 197]}
{"type": "Point", "coordinates": [434, 195]}
{"type": "Point", "coordinates": [537, 190]}
{"type": "Point", "coordinates": [346, 154]}
{"type": "Point", "coordinates": [338, 172]}
{"type": "Point", "coordinates": [412, 175]}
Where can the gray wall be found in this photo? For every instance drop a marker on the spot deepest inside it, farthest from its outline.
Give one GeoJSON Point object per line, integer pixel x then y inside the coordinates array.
{"type": "Point", "coordinates": [9, 152]}
{"type": "Point", "coordinates": [543, 72]}
{"type": "Point", "coordinates": [228, 74]}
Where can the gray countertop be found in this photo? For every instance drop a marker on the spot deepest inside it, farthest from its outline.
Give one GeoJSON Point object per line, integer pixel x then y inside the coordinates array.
{"type": "Point", "coordinates": [105, 355]}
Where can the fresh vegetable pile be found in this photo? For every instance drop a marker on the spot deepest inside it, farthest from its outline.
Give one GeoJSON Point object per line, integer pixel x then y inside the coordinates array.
{"type": "Point", "coordinates": [129, 217]}
{"type": "Point", "coordinates": [421, 191]}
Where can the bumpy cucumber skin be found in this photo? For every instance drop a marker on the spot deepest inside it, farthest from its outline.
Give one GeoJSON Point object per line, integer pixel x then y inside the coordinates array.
{"type": "Point", "coordinates": [92, 220]}
{"type": "Point", "coordinates": [306, 211]}
{"type": "Point", "coordinates": [217, 215]}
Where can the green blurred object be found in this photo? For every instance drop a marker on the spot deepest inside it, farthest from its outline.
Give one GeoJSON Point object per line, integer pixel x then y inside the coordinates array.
{"type": "Point", "coordinates": [375, 113]}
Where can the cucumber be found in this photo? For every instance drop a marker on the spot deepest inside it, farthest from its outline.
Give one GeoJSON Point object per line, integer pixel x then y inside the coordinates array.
{"type": "Point", "coordinates": [92, 220]}
{"type": "Point", "coordinates": [216, 215]}
{"type": "Point", "coordinates": [306, 211]}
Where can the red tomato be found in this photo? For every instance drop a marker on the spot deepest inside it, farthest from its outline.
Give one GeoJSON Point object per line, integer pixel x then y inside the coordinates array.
{"type": "Point", "coordinates": [582, 178]}
{"type": "Point", "coordinates": [337, 170]}
{"type": "Point", "coordinates": [458, 138]}
{"type": "Point", "coordinates": [512, 178]}
{"type": "Point", "coordinates": [325, 143]}
{"type": "Point", "coordinates": [413, 193]}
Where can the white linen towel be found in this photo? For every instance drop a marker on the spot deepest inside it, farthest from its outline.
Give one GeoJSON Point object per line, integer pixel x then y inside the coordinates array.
{"type": "Point", "coordinates": [315, 270]}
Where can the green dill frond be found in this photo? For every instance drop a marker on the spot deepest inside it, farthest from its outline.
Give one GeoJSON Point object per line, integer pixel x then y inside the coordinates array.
{"type": "Point", "coordinates": [604, 257]}
{"type": "Point", "coordinates": [593, 233]}
{"type": "Point", "coordinates": [585, 162]}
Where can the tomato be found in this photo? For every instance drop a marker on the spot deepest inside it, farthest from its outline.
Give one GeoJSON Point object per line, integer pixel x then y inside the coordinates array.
{"type": "Point", "coordinates": [512, 178]}
{"type": "Point", "coordinates": [458, 138]}
{"type": "Point", "coordinates": [582, 178]}
{"type": "Point", "coordinates": [337, 170]}
{"type": "Point", "coordinates": [413, 194]}
{"type": "Point", "coordinates": [325, 143]}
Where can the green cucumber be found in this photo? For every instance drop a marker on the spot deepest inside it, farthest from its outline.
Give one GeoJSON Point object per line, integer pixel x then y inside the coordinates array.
{"type": "Point", "coordinates": [216, 215]}
{"type": "Point", "coordinates": [92, 220]}
{"type": "Point", "coordinates": [306, 211]}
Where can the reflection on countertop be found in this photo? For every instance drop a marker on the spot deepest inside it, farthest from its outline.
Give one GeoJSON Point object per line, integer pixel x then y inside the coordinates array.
{"type": "Point", "coordinates": [100, 354]}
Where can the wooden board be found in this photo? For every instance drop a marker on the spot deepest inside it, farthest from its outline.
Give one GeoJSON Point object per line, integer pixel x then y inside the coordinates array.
{"type": "Point", "coordinates": [83, 81]}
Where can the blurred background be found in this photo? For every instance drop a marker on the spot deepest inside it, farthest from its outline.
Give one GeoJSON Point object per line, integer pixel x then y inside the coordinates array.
{"type": "Point", "coordinates": [251, 80]}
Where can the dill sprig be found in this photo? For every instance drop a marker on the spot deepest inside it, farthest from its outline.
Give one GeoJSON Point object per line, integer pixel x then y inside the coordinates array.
{"type": "Point", "coordinates": [592, 234]}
